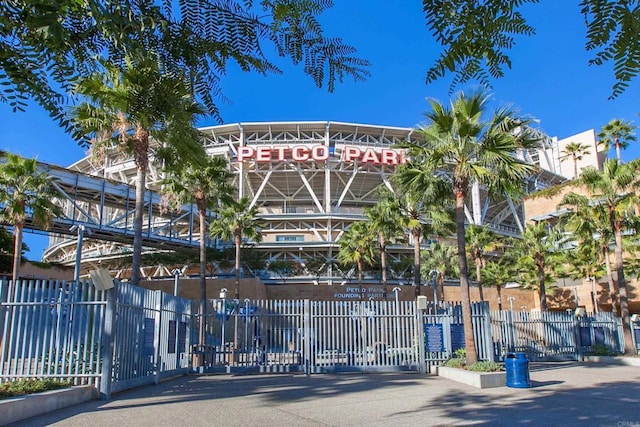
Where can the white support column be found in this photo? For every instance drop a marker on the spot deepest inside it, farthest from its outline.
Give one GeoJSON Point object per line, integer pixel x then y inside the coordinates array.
{"type": "Point", "coordinates": [514, 212]}
{"type": "Point", "coordinates": [327, 173]}
{"type": "Point", "coordinates": [305, 181]}
{"type": "Point", "coordinates": [475, 203]}
{"type": "Point", "coordinates": [263, 184]}
{"type": "Point", "coordinates": [386, 182]}
{"type": "Point", "coordinates": [348, 186]}
{"type": "Point", "coordinates": [241, 143]}
{"type": "Point", "coordinates": [467, 215]}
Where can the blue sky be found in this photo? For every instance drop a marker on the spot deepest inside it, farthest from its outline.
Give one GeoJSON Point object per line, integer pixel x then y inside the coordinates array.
{"type": "Point", "coordinates": [550, 80]}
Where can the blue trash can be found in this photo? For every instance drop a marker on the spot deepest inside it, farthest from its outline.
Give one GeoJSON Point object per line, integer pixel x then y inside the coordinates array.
{"type": "Point", "coordinates": [516, 366]}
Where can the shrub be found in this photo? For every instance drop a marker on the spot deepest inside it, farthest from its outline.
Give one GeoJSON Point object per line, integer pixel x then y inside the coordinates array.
{"type": "Point", "coordinates": [484, 367]}
{"type": "Point", "coordinates": [458, 360]}
{"type": "Point", "coordinates": [22, 387]}
{"type": "Point", "coordinates": [460, 353]}
{"type": "Point", "coordinates": [454, 362]}
{"type": "Point", "coordinates": [600, 350]}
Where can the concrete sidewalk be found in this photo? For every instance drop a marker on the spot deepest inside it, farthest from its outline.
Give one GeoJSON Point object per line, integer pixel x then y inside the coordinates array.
{"type": "Point", "coordinates": [563, 394]}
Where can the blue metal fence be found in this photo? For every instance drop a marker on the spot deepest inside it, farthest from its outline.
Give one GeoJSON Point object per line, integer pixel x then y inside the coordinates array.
{"type": "Point", "coordinates": [130, 336]}
{"type": "Point", "coordinates": [546, 336]}
{"type": "Point", "coordinates": [51, 329]}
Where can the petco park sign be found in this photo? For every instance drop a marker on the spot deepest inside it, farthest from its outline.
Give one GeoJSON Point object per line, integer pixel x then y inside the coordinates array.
{"type": "Point", "coordinates": [319, 153]}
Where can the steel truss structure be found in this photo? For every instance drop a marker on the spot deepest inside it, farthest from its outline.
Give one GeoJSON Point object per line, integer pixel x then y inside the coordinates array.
{"type": "Point", "coordinates": [310, 180]}
{"type": "Point", "coordinates": [102, 210]}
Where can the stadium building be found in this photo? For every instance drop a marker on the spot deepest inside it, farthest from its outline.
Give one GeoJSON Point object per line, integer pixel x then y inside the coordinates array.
{"type": "Point", "coordinates": [310, 181]}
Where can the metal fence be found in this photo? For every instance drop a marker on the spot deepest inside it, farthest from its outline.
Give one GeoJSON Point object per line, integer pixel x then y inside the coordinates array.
{"type": "Point", "coordinates": [130, 336]}
{"type": "Point", "coordinates": [545, 336]}
{"type": "Point", "coordinates": [312, 336]}
{"type": "Point", "coordinates": [151, 336]}
{"type": "Point", "coordinates": [115, 339]}
{"type": "Point", "coordinates": [51, 329]}
{"type": "Point", "coordinates": [444, 331]}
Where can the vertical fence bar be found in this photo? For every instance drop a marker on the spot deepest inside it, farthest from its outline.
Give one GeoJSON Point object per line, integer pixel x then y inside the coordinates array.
{"type": "Point", "coordinates": [108, 340]}
{"type": "Point", "coordinates": [158, 336]}
{"type": "Point", "coordinates": [307, 336]}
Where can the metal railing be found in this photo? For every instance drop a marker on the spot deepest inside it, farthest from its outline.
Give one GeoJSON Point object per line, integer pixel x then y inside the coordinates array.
{"type": "Point", "coordinates": [51, 329]}
{"type": "Point", "coordinates": [129, 336]}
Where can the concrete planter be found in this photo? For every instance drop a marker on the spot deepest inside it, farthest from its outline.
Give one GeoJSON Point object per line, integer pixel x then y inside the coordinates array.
{"type": "Point", "coordinates": [474, 379]}
{"type": "Point", "coordinates": [20, 408]}
{"type": "Point", "coordinates": [613, 360]}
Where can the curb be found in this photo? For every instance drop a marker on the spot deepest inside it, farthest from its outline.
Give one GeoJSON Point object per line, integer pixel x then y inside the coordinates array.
{"type": "Point", "coordinates": [613, 360]}
{"type": "Point", "coordinates": [20, 408]}
{"type": "Point", "coordinates": [475, 379]}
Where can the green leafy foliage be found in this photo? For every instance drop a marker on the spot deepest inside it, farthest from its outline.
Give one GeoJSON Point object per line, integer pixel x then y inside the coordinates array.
{"type": "Point", "coordinates": [460, 353]}
{"type": "Point", "coordinates": [30, 386]}
{"type": "Point", "coordinates": [46, 46]}
{"type": "Point", "coordinates": [612, 33]}
{"type": "Point", "coordinates": [484, 366]}
{"type": "Point", "coordinates": [454, 362]}
{"type": "Point", "coordinates": [475, 36]}
{"type": "Point", "coordinates": [6, 250]}
{"type": "Point", "coordinates": [25, 193]}
{"type": "Point", "coordinates": [459, 361]}
{"type": "Point", "coordinates": [600, 350]}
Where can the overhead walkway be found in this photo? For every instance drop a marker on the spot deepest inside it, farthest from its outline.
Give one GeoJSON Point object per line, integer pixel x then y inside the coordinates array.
{"type": "Point", "coordinates": [104, 209]}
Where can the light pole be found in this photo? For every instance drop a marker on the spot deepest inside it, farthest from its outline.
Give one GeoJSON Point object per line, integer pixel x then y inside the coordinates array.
{"type": "Point", "coordinates": [223, 319]}
{"type": "Point", "coordinates": [511, 300]}
{"type": "Point", "coordinates": [434, 278]}
{"type": "Point", "coordinates": [395, 291]}
{"type": "Point", "coordinates": [594, 293]}
{"type": "Point", "coordinates": [176, 274]}
{"type": "Point", "coordinates": [81, 229]}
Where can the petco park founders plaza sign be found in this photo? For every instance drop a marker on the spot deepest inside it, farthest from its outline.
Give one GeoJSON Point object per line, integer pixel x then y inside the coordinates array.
{"type": "Point", "coordinates": [319, 153]}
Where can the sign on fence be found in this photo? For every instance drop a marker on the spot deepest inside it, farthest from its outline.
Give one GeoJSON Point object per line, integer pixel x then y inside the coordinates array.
{"type": "Point", "coordinates": [149, 335]}
{"type": "Point", "coordinates": [434, 335]}
{"type": "Point", "coordinates": [585, 336]}
{"type": "Point", "coordinates": [457, 336]}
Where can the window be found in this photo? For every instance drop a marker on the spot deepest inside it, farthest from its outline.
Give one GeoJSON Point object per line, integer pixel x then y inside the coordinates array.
{"type": "Point", "coordinates": [290, 238]}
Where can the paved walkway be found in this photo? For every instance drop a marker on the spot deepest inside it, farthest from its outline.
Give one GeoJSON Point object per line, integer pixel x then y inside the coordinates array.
{"type": "Point", "coordinates": [563, 394]}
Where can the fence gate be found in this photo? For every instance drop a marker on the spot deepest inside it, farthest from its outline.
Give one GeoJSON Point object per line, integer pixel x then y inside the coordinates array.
{"type": "Point", "coordinates": [444, 331]}
{"type": "Point", "coordinates": [546, 336]}
{"type": "Point", "coordinates": [311, 336]}
{"type": "Point", "coordinates": [51, 329]}
{"type": "Point", "coordinates": [363, 336]}
{"type": "Point", "coordinates": [152, 333]}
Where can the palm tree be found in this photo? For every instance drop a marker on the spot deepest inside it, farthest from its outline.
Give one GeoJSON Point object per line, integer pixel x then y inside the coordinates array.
{"type": "Point", "coordinates": [357, 246]}
{"type": "Point", "coordinates": [6, 250]}
{"type": "Point", "coordinates": [25, 192]}
{"type": "Point", "coordinates": [439, 261]}
{"type": "Point", "coordinates": [207, 186]}
{"type": "Point", "coordinates": [497, 273]}
{"type": "Point", "coordinates": [423, 209]}
{"type": "Point", "coordinates": [125, 109]}
{"type": "Point", "coordinates": [585, 262]}
{"type": "Point", "coordinates": [384, 219]}
{"type": "Point", "coordinates": [468, 147]}
{"type": "Point", "coordinates": [589, 223]}
{"type": "Point", "coordinates": [615, 190]}
{"type": "Point", "coordinates": [574, 151]}
{"type": "Point", "coordinates": [236, 221]}
{"type": "Point", "coordinates": [480, 241]}
{"type": "Point", "coordinates": [619, 133]}
{"type": "Point", "coordinates": [539, 251]}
